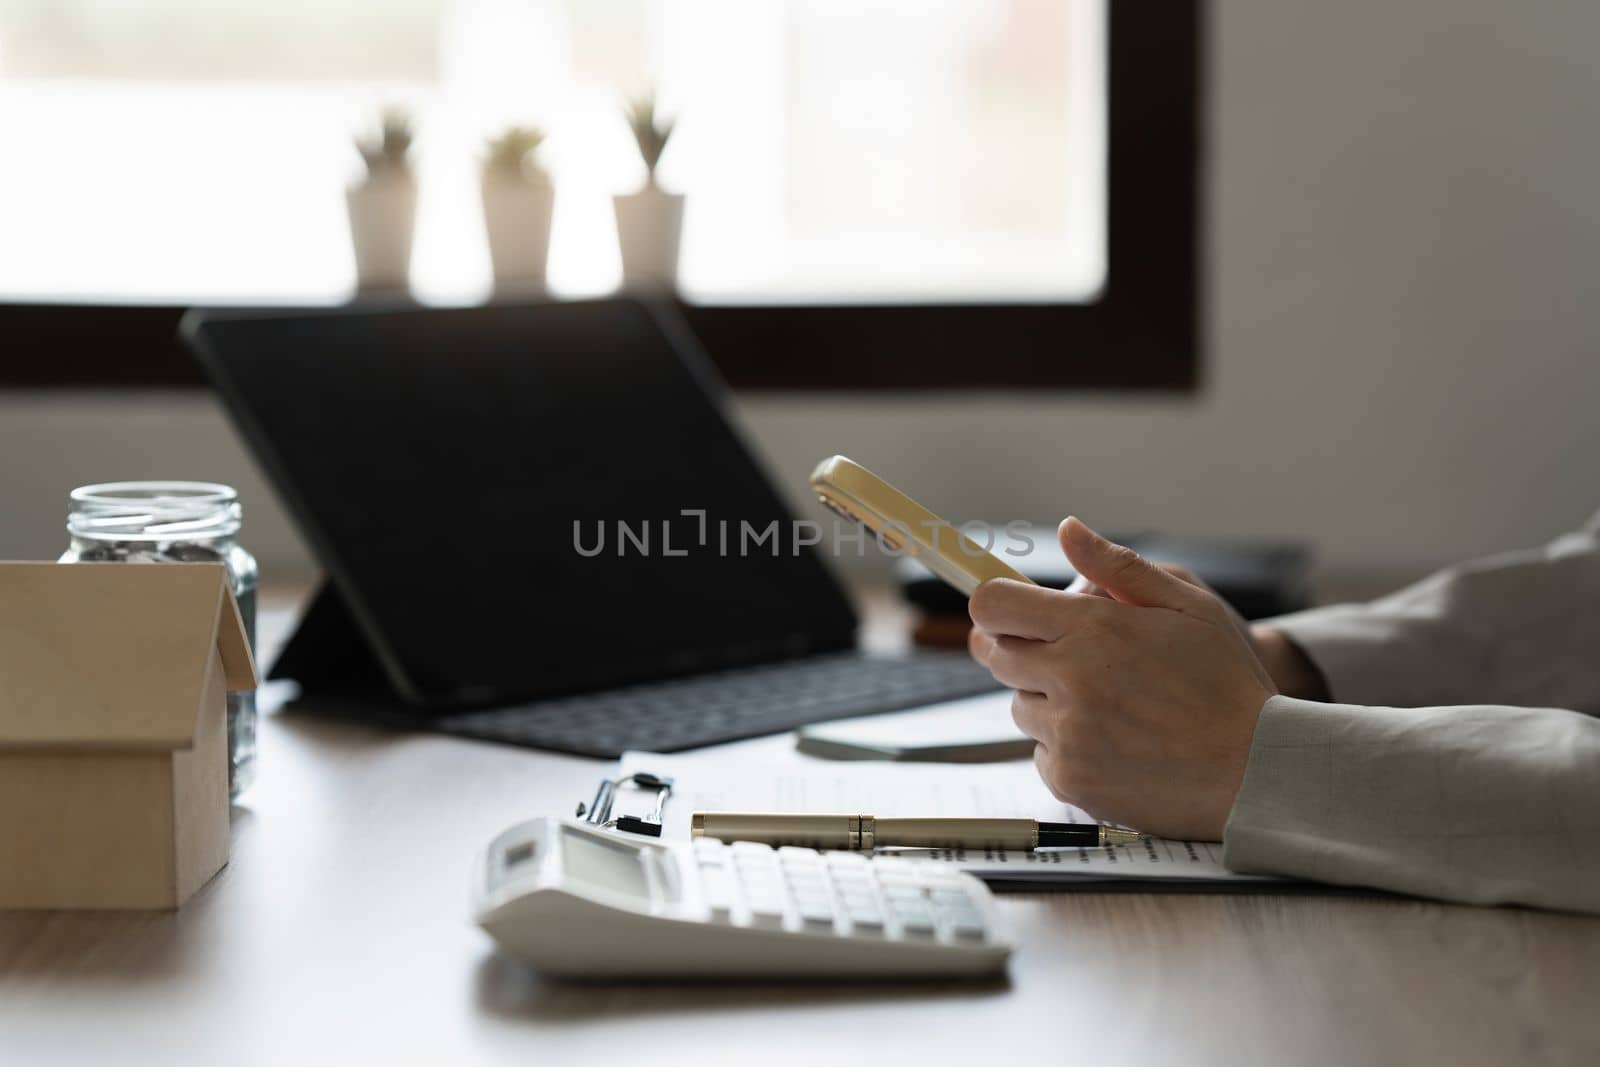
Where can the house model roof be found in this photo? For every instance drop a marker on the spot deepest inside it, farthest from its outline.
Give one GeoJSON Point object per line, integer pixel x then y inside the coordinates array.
{"type": "Point", "coordinates": [113, 655]}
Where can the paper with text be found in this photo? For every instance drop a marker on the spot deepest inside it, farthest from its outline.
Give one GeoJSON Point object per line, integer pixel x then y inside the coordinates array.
{"type": "Point", "coordinates": [720, 781]}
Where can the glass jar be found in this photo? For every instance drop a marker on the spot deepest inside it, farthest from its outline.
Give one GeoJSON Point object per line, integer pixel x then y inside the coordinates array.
{"type": "Point", "coordinates": [175, 522]}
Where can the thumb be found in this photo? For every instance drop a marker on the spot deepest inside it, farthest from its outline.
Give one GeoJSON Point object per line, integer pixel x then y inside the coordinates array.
{"type": "Point", "coordinates": [1121, 572]}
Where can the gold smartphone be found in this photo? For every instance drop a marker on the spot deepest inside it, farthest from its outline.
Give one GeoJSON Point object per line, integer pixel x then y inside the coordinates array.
{"type": "Point", "coordinates": [903, 525]}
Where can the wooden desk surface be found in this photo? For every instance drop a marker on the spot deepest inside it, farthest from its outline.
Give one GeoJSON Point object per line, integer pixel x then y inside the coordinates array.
{"type": "Point", "coordinates": [339, 933]}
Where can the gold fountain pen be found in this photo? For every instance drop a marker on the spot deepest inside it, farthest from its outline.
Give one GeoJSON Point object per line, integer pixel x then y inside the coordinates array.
{"type": "Point", "coordinates": [868, 831]}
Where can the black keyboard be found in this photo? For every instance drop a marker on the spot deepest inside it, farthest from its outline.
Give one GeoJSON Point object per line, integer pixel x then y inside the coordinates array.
{"type": "Point", "coordinates": [708, 708]}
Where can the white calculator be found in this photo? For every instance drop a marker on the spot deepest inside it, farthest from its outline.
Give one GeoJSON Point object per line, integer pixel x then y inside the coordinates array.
{"type": "Point", "coordinates": [573, 899]}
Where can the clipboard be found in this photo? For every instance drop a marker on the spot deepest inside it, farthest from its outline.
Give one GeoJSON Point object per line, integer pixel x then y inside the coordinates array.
{"type": "Point", "coordinates": [598, 812]}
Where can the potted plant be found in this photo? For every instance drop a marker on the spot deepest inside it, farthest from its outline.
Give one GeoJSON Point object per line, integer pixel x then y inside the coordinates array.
{"type": "Point", "coordinates": [383, 205]}
{"type": "Point", "coordinates": [650, 221]}
{"type": "Point", "coordinates": [518, 201]}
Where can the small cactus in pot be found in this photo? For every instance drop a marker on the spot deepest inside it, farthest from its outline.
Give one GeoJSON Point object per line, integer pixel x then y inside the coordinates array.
{"type": "Point", "coordinates": [389, 152]}
{"type": "Point", "coordinates": [650, 132]}
{"type": "Point", "coordinates": [383, 205]}
{"type": "Point", "coordinates": [650, 221]}
{"type": "Point", "coordinates": [518, 204]}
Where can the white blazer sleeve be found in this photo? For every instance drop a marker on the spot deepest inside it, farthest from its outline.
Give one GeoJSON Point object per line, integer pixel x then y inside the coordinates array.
{"type": "Point", "coordinates": [1476, 801]}
{"type": "Point", "coordinates": [1518, 628]}
{"type": "Point", "coordinates": [1478, 804]}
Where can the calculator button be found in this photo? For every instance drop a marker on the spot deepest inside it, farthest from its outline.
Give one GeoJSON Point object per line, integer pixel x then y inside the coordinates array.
{"type": "Point", "coordinates": [789, 855]}
{"type": "Point", "coordinates": [958, 914]}
{"type": "Point", "coordinates": [916, 922]}
{"type": "Point", "coordinates": [761, 882]}
{"type": "Point", "coordinates": [761, 871]}
{"type": "Point", "coordinates": [766, 914]}
{"type": "Point", "coordinates": [767, 896]}
{"type": "Point", "coordinates": [763, 876]}
{"type": "Point", "coordinates": [717, 879]}
{"type": "Point", "coordinates": [864, 915]}
{"type": "Point", "coordinates": [968, 927]}
{"type": "Point", "coordinates": [713, 860]}
{"type": "Point", "coordinates": [943, 880]}
{"type": "Point", "coordinates": [717, 888]}
{"type": "Point", "coordinates": [910, 909]}
{"type": "Point", "coordinates": [950, 898]}
{"type": "Point", "coordinates": [810, 887]}
{"type": "Point", "coordinates": [813, 898]}
{"type": "Point", "coordinates": [816, 911]}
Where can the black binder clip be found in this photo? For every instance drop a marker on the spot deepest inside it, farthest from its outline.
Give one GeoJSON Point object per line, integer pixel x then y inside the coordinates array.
{"type": "Point", "coordinates": [598, 811]}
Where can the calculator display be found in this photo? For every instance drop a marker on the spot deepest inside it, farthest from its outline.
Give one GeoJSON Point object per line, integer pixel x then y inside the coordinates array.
{"type": "Point", "coordinates": [601, 864]}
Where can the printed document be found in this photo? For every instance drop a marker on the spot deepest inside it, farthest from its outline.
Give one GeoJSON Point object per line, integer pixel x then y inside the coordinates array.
{"type": "Point", "coordinates": [716, 780]}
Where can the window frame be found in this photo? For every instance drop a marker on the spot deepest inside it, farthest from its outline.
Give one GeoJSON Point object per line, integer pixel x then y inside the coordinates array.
{"type": "Point", "coordinates": [1141, 333]}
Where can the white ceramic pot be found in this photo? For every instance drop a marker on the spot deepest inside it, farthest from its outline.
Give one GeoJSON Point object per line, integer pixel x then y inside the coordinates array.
{"type": "Point", "coordinates": [516, 216]}
{"type": "Point", "coordinates": [649, 226]}
{"type": "Point", "coordinates": [383, 213]}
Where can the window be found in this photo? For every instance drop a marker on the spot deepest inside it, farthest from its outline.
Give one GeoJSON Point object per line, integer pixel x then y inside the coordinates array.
{"type": "Point", "coordinates": [868, 180]}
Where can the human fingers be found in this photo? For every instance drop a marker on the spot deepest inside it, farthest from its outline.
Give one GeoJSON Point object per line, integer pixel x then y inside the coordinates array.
{"type": "Point", "coordinates": [1021, 663]}
{"type": "Point", "coordinates": [980, 645]}
{"type": "Point", "coordinates": [1002, 606]}
{"type": "Point", "coordinates": [1082, 585]}
{"type": "Point", "coordinates": [1124, 574]}
{"type": "Point", "coordinates": [1033, 713]}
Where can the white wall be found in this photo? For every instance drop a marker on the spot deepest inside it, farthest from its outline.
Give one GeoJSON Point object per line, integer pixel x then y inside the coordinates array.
{"type": "Point", "coordinates": [1402, 322]}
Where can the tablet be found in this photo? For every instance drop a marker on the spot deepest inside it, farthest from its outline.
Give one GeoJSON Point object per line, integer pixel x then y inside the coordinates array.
{"type": "Point", "coordinates": [521, 500]}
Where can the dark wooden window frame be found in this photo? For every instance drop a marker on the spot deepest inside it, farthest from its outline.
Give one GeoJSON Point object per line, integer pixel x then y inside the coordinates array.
{"type": "Point", "coordinates": [1141, 333]}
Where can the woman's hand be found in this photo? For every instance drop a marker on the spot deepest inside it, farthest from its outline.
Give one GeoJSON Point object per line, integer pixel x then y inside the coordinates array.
{"type": "Point", "coordinates": [1143, 700]}
{"type": "Point", "coordinates": [1290, 669]}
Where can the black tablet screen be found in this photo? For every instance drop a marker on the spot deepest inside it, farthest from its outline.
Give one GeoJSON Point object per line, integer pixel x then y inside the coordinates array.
{"type": "Point", "coordinates": [518, 501]}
